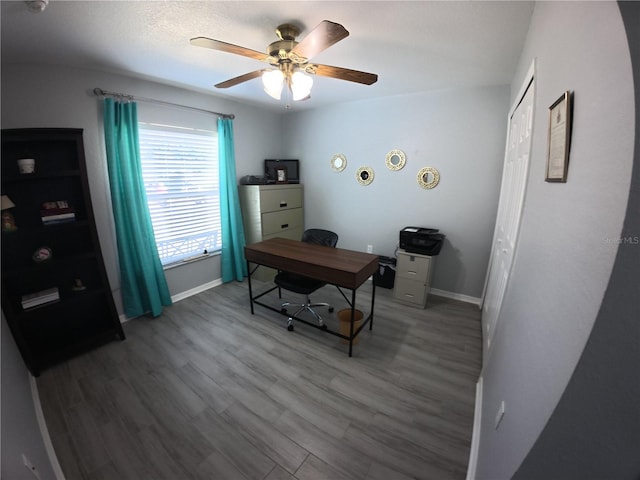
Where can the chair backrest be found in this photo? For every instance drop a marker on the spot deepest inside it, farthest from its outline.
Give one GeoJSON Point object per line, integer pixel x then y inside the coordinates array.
{"type": "Point", "coordinates": [320, 237]}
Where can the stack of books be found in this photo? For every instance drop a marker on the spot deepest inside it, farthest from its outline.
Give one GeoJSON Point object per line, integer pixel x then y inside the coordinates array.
{"type": "Point", "coordinates": [57, 215]}
{"type": "Point", "coordinates": [31, 300]}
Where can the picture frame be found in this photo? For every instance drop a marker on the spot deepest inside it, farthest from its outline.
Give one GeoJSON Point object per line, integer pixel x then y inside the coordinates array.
{"type": "Point", "coordinates": [559, 140]}
{"type": "Point", "coordinates": [281, 175]}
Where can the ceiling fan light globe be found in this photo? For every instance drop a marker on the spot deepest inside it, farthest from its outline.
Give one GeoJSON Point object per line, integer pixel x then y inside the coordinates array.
{"type": "Point", "coordinates": [300, 85]}
{"type": "Point", "coordinates": [273, 81]}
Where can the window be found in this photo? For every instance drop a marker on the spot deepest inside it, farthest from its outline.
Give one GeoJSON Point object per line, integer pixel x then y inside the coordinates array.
{"type": "Point", "coordinates": [180, 171]}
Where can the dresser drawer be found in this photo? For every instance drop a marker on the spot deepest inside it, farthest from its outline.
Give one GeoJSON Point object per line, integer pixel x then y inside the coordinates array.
{"type": "Point", "coordinates": [413, 267]}
{"type": "Point", "coordinates": [273, 200]}
{"type": "Point", "coordinates": [410, 291]}
{"type": "Point", "coordinates": [276, 222]}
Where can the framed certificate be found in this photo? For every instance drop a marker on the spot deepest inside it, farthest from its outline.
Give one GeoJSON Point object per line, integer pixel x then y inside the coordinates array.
{"type": "Point", "coordinates": [559, 139]}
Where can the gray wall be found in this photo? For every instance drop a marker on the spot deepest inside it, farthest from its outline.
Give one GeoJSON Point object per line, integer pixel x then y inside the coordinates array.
{"type": "Point", "coordinates": [594, 431]}
{"type": "Point", "coordinates": [20, 431]}
{"type": "Point", "coordinates": [47, 96]}
{"type": "Point", "coordinates": [459, 132]}
{"type": "Point", "coordinates": [568, 240]}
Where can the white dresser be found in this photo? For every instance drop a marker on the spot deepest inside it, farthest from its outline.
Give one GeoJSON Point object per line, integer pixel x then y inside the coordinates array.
{"type": "Point", "coordinates": [271, 211]}
{"type": "Point", "coordinates": [413, 278]}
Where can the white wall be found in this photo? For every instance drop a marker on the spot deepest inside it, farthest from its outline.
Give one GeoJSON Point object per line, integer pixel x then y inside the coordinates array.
{"type": "Point", "coordinates": [47, 96]}
{"type": "Point", "coordinates": [459, 132]}
{"type": "Point", "coordinates": [568, 234]}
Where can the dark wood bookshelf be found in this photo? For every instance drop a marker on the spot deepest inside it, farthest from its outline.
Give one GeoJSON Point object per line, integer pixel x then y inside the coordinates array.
{"type": "Point", "coordinates": [79, 320]}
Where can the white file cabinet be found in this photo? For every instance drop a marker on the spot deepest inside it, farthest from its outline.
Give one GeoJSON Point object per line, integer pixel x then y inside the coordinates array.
{"type": "Point", "coordinates": [413, 279]}
{"type": "Point", "coordinates": [270, 211]}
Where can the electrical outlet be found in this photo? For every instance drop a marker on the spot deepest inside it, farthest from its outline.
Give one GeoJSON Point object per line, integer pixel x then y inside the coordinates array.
{"type": "Point", "coordinates": [500, 414]}
{"type": "Point", "coordinates": [369, 248]}
{"type": "Point", "coordinates": [30, 466]}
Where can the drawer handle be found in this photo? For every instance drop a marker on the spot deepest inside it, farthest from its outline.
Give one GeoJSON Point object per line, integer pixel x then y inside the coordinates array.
{"type": "Point", "coordinates": [286, 225]}
{"type": "Point", "coordinates": [412, 272]}
{"type": "Point", "coordinates": [283, 204]}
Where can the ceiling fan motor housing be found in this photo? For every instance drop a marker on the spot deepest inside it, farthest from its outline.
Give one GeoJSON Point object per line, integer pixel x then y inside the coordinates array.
{"type": "Point", "coordinates": [280, 49]}
{"type": "Point", "coordinates": [286, 31]}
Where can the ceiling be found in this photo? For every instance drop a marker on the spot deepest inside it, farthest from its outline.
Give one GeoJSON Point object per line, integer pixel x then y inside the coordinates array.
{"type": "Point", "coordinates": [413, 46]}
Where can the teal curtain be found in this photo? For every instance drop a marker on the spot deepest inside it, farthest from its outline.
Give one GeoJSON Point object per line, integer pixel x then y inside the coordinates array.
{"type": "Point", "coordinates": [234, 266]}
{"type": "Point", "coordinates": [144, 287]}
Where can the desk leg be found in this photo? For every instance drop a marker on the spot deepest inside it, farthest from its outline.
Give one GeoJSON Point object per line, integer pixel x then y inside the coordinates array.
{"type": "Point", "coordinates": [353, 313]}
{"type": "Point", "coordinates": [373, 298]}
{"type": "Point", "coordinates": [250, 290]}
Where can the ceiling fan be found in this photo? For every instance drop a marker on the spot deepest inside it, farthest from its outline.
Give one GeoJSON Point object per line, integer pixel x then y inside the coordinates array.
{"type": "Point", "coordinates": [291, 60]}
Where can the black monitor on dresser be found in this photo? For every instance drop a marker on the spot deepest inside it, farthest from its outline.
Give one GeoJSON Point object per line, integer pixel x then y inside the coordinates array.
{"type": "Point", "coordinates": [292, 168]}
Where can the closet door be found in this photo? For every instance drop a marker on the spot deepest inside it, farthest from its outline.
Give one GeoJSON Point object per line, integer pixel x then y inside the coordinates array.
{"type": "Point", "coordinates": [514, 182]}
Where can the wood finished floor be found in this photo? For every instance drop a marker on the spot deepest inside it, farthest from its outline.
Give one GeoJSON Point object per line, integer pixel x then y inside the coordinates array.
{"type": "Point", "coordinates": [209, 391]}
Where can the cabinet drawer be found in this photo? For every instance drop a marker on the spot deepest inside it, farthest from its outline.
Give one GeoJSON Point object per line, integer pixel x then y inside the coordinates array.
{"type": "Point", "coordinates": [410, 291]}
{"type": "Point", "coordinates": [280, 199]}
{"type": "Point", "coordinates": [275, 222]}
{"type": "Point", "coordinates": [413, 267]}
{"type": "Point", "coordinates": [294, 233]}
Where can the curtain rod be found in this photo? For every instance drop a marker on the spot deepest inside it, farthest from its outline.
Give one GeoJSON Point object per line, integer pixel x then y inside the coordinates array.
{"type": "Point", "coordinates": [103, 93]}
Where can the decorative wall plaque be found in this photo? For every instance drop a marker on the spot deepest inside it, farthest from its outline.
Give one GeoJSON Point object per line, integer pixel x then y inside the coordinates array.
{"type": "Point", "coordinates": [365, 175]}
{"type": "Point", "coordinates": [395, 160]}
{"type": "Point", "coordinates": [428, 177]}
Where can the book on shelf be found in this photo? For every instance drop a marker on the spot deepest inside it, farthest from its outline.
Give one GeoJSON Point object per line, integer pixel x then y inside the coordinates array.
{"type": "Point", "coordinates": [60, 218]}
{"type": "Point", "coordinates": [56, 211]}
{"type": "Point", "coordinates": [57, 215]}
{"type": "Point", "coordinates": [41, 297]}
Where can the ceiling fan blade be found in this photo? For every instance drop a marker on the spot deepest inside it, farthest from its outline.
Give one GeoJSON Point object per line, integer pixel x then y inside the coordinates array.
{"type": "Point", "coordinates": [228, 47]}
{"type": "Point", "coordinates": [343, 74]}
{"type": "Point", "coordinates": [237, 80]}
{"type": "Point", "coordinates": [320, 38]}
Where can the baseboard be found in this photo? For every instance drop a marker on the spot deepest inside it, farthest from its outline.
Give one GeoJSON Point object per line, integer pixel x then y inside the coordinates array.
{"type": "Point", "coordinates": [194, 291]}
{"type": "Point", "coordinates": [201, 288]}
{"type": "Point", "coordinates": [182, 295]}
{"type": "Point", "coordinates": [475, 437]}
{"type": "Point", "coordinates": [44, 431]}
{"type": "Point", "coordinates": [456, 296]}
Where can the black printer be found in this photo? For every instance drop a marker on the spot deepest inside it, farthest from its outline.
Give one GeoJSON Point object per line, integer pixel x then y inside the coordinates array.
{"type": "Point", "coordinates": [424, 241]}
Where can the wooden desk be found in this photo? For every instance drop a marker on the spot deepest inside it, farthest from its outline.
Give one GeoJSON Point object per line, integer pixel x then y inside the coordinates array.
{"type": "Point", "coordinates": [343, 268]}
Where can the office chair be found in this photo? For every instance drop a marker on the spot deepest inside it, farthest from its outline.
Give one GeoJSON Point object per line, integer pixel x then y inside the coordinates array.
{"type": "Point", "coordinates": [305, 285]}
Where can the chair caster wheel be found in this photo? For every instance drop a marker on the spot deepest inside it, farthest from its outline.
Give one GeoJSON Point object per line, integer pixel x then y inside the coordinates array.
{"type": "Point", "coordinates": [290, 328]}
{"type": "Point", "coordinates": [283, 310]}
{"type": "Point", "coordinates": [330, 309]}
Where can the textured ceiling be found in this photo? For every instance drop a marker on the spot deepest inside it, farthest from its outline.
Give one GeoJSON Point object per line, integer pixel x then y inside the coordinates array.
{"type": "Point", "coordinates": [413, 46]}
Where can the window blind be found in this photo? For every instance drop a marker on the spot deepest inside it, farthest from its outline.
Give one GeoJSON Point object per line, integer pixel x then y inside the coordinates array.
{"type": "Point", "coordinates": [180, 171]}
